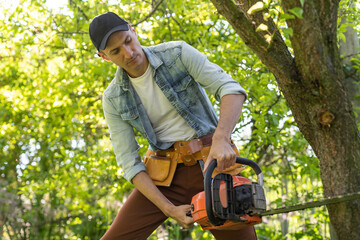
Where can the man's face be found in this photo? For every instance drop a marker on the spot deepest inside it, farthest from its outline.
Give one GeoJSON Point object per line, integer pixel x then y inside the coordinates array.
{"type": "Point", "coordinates": [124, 49]}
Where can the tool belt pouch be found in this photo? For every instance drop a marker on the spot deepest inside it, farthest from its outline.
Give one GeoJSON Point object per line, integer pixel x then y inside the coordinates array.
{"type": "Point", "coordinates": [161, 169]}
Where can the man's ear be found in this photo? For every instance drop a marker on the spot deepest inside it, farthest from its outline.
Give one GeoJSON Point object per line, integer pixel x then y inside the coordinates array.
{"type": "Point", "coordinates": [132, 29]}
{"type": "Point", "coordinates": [103, 55]}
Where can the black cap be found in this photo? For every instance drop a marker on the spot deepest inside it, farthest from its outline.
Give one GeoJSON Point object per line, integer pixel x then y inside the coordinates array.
{"type": "Point", "coordinates": [102, 26]}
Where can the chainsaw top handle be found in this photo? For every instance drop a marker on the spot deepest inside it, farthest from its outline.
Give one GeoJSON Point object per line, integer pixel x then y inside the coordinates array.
{"type": "Point", "coordinates": [208, 182]}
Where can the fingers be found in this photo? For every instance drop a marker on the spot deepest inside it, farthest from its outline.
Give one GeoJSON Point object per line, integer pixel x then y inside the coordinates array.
{"type": "Point", "coordinates": [187, 222]}
{"type": "Point", "coordinates": [224, 160]}
{"type": "Point", "coordinates": [227, 161]}
{"type": "Point", "coordinates": [182, 217]}
{"type": "Point", "coordinates": [207, 163]}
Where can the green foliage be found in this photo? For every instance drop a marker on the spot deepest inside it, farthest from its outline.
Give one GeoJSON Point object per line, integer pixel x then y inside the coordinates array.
{"type": "Point", "coordinates": [348, 17]}
{"type": "Point", "coordinates": [58, 174]}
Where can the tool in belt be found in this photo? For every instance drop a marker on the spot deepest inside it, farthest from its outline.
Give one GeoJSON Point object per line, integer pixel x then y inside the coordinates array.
{"type": "Point", "coordinates": [233, 202]}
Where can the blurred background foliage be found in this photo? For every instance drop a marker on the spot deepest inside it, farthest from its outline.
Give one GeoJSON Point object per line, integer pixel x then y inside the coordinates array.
{"type": "Point", "coordinates": [58, 174]}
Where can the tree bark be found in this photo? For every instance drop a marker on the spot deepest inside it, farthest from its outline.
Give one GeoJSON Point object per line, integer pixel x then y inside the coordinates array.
{"type": "Point", "coordinates": [312, 83]}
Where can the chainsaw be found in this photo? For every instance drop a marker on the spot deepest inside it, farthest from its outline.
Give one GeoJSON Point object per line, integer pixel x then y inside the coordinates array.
{"type": "Point", "coordinates": [234, 202]}
{"type": "Point", "coordinates": [229, 202]}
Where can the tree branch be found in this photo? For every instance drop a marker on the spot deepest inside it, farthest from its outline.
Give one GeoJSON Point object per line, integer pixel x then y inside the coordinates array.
{"type": "Point", "coordinates": [236, 17]}
{"type": "Point", "coordinates": [79, 9]}
{"type": "Point", "coordinates": [275, 56]}
{"type": "Point", "coordinates": [150, 14]}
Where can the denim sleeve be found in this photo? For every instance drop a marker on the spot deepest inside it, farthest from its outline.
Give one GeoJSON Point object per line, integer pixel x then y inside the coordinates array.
{"type": "Point", "coordinates": [123, 140]}
{"type": "Point", "coordinates": [209, 75]}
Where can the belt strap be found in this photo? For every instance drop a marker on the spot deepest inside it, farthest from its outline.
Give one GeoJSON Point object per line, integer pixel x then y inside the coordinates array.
{"type": "Point", "coordinates": [194, 145]}
{"type": "Point", "coordinates": [188, 151]}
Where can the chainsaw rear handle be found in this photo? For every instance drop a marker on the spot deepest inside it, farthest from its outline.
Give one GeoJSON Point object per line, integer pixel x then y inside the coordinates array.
{"type": "Point", "coordinates": [207, 186]}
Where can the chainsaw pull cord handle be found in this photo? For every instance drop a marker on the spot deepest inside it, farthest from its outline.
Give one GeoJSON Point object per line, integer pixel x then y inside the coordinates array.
{"type": "Point", "coordinates": [207, 186]}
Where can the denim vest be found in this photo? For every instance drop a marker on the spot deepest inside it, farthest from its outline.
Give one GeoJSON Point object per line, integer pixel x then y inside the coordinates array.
{"type": "Point", "coordinates": [181, 72]}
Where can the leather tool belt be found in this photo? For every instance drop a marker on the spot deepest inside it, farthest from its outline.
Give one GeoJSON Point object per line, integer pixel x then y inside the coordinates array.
{"type": "Point", "coordinates": [161, 165]}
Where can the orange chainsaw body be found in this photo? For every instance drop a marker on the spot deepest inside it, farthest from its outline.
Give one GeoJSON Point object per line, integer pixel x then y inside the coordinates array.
{"type": "Point", "coordinates": [199, 213]}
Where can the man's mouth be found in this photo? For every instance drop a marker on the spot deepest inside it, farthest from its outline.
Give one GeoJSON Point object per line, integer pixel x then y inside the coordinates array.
{"type": "Point", "coordinates": [132, 60]}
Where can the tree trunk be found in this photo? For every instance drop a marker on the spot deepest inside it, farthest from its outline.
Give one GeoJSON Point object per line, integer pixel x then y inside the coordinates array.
{"type": "Point", "coordinates": [312, 84]}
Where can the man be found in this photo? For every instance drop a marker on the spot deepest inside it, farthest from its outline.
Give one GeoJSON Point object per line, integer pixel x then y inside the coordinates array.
{"type": "Point", "coordinates": [159, 92]}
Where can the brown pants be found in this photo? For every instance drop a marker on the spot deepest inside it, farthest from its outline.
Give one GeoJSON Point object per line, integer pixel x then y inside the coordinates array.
{"type": "Point", "coordinates": [139, 217]}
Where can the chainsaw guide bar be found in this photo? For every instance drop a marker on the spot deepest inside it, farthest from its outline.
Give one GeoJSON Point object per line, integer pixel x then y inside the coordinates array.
{"type": "Point", "coordinates": [312, 204]}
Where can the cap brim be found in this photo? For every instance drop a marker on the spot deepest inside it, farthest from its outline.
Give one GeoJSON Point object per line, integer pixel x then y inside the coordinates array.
{"type": "Point", "coordinates": [124, 27]}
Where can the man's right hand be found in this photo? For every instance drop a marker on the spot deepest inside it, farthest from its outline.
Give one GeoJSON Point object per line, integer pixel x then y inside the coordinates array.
{"type": "Point", "coordinates": [179, 213]}
{"type": "Point", "coordinates": [144, 184]}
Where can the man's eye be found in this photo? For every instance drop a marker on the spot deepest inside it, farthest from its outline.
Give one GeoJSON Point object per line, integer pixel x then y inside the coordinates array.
{"type": "Point", "coordinates": [115, 52]}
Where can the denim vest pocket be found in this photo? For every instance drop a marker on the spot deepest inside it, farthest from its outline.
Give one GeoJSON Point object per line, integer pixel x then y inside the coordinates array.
{"type": "Point", "coordinates": [183, 84]}
{"type": "Point", "coordinates": [130, 114]}
{"type": "Point", "coordinates": [187, 91]}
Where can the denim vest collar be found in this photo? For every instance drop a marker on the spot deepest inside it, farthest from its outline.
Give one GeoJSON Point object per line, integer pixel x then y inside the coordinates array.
{"type": "Point", "coordinates": [121, 75]}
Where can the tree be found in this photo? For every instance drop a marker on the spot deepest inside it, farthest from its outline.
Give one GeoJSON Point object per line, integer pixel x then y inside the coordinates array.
{"type": "Point", "coordinates": [310, 75]}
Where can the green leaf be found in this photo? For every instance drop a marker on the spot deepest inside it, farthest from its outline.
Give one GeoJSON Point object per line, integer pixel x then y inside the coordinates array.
{"type": "Point", "coordinates": [256, 7]}
{"type": "Point", "coordinates": [297, 12]}
{"type": "Point", "coordinates": [287, 16]}
{"type": "Point", "coordinates": [342, 37]}
{"type": "Point", "coordinates": [262, 27]}
{"type": "Point", "coordinates": [288, 31]}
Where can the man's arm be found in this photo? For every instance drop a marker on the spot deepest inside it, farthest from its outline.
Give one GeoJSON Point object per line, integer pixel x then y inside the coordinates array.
{"type": "Point", "coordinates": [230, 111]}
{"type": "Point", "coordinates": [231, 95]}
{"type": "Point", "coordinates": [144, 184]}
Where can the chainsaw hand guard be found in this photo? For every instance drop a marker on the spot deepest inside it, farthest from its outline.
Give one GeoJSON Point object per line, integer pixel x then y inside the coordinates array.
{"type": "Point", "coordinates": [236, 201]}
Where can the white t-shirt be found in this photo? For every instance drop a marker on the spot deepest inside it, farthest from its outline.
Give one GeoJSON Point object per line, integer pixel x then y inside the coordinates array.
{"type": "Point", "coordinates": [168, 125]}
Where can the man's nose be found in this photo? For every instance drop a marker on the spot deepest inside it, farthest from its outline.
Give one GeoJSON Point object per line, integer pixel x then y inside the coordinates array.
{"type": "Point", "coordinates": [128, 52]}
